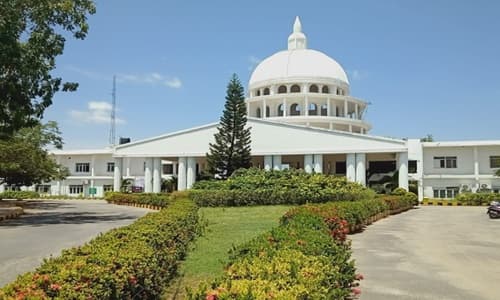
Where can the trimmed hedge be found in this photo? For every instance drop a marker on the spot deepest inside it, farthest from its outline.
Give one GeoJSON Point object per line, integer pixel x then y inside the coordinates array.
{"type": "Point", "coordinates": [306, 257]}
{"type": "Point", "coordinates": [477, 198]}
{"type": "Point", "coordinates": [259, 187]}
{"type": "Point", "coordinates": [133, 262]}
{"type": "Point", "coordinates": [151, 199]}
{"type": "Point", "coordinates": [19, 195]}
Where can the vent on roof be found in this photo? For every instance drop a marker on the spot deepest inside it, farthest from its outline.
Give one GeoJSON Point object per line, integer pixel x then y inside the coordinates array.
{"type": "Point", "coordinates": [124, 140]}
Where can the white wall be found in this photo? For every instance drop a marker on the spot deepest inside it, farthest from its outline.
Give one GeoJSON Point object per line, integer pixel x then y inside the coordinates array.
{"type": "Point", "coordinates": [465, 160]}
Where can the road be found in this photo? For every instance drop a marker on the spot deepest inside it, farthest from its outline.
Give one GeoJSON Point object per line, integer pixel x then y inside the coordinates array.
{"type": "Point", "coordinates": [51, 226]}
{"type": "Point", "coordinates": [430, 253]}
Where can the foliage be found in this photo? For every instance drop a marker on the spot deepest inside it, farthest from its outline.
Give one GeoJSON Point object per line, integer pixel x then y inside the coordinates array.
{"type": "Point", "coordinates": [477, 198]}
{"type": "Point", "coordinates": [497, 173]}
{"type": "Point", "coordinates": [169, 185]}
{"type": "Point", "coordinates": [24, 160]}
{"type": "Point", "coordinates": [158, 200]}
{"type": "Point", "coordinates": [231, 150]}
{"type": "Point", "coordinates": [19, 195]}
{"type": "Point", "coordinates": [132, 262]}
{"type": "Point", "coordinates": [427, 138]}
{"type": "Point", "coordinates": [31, 37]}
{"type": "Point", "coordinates": [258, 187]}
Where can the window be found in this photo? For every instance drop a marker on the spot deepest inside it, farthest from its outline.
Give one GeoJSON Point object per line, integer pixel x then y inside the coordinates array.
{"type": "Point", "coordinates": [110, 167]}
{"type": "Point", "coordinates": [280, 110]}
{"type": "Point", "coordinates": [313, 89]}
{"type": "Point", "coordinates": [107, 188]}
{"type": "Point", "coordinates": [267, 112]}
{"type": "Point", "coordinates": [445, 162]}
{"type": "Point", "coordinates": [340, 92]}
{"type": "Point", "coordinates": [324, 110]}
{"type": "Point", "coordinates": [325, 89]}
{"type": "Point", "coordinates": [295, 89]}
{"type": "Point", "coordinates": [282, 89]}
{"type": "Point", "coordinates": [258, 93]}
{"type": "Point", "coordinates": [295, 110]}
{"type": "Point", "coordinates": [447, 192]}
{"type": "Point", "coordinates": [258, 113]}
{"type": "Point", "coordinates": [313, 109]}
{"type": "Point", "coordinates": [340, 167]}
{"type": "Point", "coordinates": [412, 166]}
{"type": "Point", "coordinates": [76, 189]}
{"type": "Point", "coordinates": [494, 162]}
{"type": "Point", "coordinates": [266, 91]}
{"type": "Point", "coordinates": [168, 169]}
{"type": "Point", "coordinates": [82, 167]}
{"type": "Point", "coordinates": [43, 188]}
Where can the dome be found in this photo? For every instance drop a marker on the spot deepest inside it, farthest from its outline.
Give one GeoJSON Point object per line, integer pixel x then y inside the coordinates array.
{"type": "Point", "coordinates": [298, 63]}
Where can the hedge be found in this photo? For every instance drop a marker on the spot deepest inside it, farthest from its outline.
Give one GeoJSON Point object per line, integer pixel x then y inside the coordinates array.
{"type": "Point", "coordinates": [477, 198]}
{"type": "Point", "coordinates": [133, 262]}
{"type": "Point", "coordinates": [259, 187]}
{"type": "Point", "coordinates": [151, 199]}
{"type": "Point", "coordinates": [19, 195]}
{"type": "Point", "coordinates": [306, 257]}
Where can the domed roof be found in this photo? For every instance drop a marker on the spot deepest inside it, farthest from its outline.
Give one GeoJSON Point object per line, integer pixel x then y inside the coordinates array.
{"type": "Point", "coordinates": [298, 63]}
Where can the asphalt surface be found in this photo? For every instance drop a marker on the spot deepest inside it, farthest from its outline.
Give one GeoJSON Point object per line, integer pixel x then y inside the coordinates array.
{"type": "Point", "coordinates": [47, 227]}
{"type": "Point", "coordinates": [430, 253]}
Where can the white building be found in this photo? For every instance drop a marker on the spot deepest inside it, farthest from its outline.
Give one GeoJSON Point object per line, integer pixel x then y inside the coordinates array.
{"type": "Point", "coordinates": [301, 116]}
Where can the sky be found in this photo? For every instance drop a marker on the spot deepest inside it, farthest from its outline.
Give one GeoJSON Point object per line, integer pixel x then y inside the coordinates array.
{"type": "Point", "coordinates": [428, 67]}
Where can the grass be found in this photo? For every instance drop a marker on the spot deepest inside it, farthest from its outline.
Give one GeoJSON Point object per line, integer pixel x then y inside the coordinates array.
{"type": "Point", "coordinates": [227, 226]}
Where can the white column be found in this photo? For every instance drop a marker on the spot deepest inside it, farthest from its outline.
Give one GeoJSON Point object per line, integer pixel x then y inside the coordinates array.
{"type": "Point", "coordinates": [268, 162]}
{"type": "Point", "coordinates": [306, 107]}
{"type": "Point", "coordinates": [148, 178]}
{"type": "Point", "coordinates": [92, 171]}
{"type": "Point", "coordinates": [58, 187]}
{"type": "Point", "coordinates": [156, 175]}
{"type": "Point", "coordinates": [277, 162]}
{"type": "Point", "coordinates": [264, 109]}
{"type": "Point", "coordinates": [318, 163]}
{"type": "Point", "coordinates": [356, 111]}
{"type": "Point", "coordinates": [361, 168]}
{"type": "Point", "coordinates": [346, 108]}
{"type": "Point", "coordinates": [181, 179]}
{"type": "Point", "coordinates": [127, 171]}
{"type": "Point", "coordinates": [328, 107]}
{"type": "Point", "coordinates": [191, 172]}
{"type": "Point", "coordinates": [403, 170]}
{"type": "Point", "coordinates": [476, 168]}
{"type": "Point", "coordinates": [308, 163]}
{"type": "Point", "coordinates": [174, 168]}
{"type": "Point", "coordinates": [285, 108]}
{"type": "Point", "coordinates": [351, 166]}
{"type": "Point", "coordinates": [2, 187]}
{"type": "Point", "coordinates": [117, 174]}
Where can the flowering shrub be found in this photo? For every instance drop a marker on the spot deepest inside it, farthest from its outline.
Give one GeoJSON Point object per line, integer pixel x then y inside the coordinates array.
{"type": "Point", "coordinates": [259, 187]}
{"type": "Point", "coordinates": [19, 195]}
{"type": "Point", "coordinates": [132, 262]}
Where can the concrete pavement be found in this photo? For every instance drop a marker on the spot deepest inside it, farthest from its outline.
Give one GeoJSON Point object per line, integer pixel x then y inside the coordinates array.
{"type": "Point", "coordinates": [430, 253]}
{"type": "Point", "coordinates": [47, 227]}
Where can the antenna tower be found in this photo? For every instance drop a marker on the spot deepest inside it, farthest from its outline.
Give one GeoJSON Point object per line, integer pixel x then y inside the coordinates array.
{"type": "Point", "coordinates": [112, 131]}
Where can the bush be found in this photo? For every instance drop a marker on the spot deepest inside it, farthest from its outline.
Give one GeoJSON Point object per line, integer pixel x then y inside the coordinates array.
{"type": "Point", "coordinates": [158, 200]}
{"type": "Point", "coordinates": [132, 262]}
{"type": "Point", "coordinates": [477, 198]}
{"type": "Point", "coordinates": [19, 195]}
{"type": "Point", "coordinates": [259, 187]}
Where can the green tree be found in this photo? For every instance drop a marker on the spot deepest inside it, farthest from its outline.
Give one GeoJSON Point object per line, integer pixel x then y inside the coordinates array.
{"type": "Point", "coordinates": [24, 159]}
{"type": "Point", "coordinates": [497, 173]}
{"type": "Point", "coordinates": [231, 150]}
{"type": "Point", "coordinates": [427, 138]}
{"type": "Point", "coordinates": [31, 37]}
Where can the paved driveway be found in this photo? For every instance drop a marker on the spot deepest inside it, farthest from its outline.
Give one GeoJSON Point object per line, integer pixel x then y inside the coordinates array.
{"type": "Point", "coordinates": [50, 226]}
{"type": "Point", "coordinates": [430, 253]}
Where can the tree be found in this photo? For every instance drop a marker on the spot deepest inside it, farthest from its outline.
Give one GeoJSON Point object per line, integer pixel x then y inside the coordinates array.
{"type": "Point", "coordinates": [497, 173]}
{"type": "Point", "coordinates": [427, 138]}
{"type": "Point", "coordinates": [31, 37]}
{"type": "Point", "coordinates": [231, 150]}
{"type": "Point", "coordinates": [24, 159]}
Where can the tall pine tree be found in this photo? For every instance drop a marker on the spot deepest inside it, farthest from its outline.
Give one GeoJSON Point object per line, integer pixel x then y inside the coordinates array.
{"type": "Point", "coordinates": [231, 150]}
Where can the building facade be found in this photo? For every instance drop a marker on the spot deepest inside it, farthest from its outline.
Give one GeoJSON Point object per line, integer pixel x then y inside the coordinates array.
{"type": "Point", "coordinates": [302, 115]}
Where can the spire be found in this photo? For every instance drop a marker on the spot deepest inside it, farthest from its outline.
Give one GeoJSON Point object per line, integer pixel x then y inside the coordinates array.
{"type": "Point", "coordinates": [297, 40]}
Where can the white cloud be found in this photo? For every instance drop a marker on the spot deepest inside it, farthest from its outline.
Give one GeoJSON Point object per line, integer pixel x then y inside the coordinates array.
{"type": "Point", "coordinates": [173, 83]}
{"type": "Point", "coordinates": [98, 112]}
{"type": "Point", "coordinates": [254, 61]}
{"type": "Point", "coordinates": [357, 74]}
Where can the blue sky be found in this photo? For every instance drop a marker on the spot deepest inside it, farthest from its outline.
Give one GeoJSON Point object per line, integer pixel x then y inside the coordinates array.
{"type": "Point", "coordinates": [426, 67]}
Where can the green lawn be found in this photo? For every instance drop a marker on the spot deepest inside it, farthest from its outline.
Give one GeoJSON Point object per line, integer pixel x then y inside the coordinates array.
{"type": "Point", "coordinates": [227, 226]}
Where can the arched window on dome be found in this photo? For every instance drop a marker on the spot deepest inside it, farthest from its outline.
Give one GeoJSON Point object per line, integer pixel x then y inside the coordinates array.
{"type": "Point", "coordinates": [295, 109]}
{"type": "Point", "coordinates": [282, 89]}
{"type": "Point", "coordinates": [268, 112]}
{"type": "Point", "coordinates": [295, 89]}
{"type": "Point", "coordinates": [258, 93]}
{"type": "Point", "coordinates": [325, 89]}
{"type": "Point", "coordinates": [313, 109]}
{"type": "Point", "coordinates": [266, 91]}
{"type": "Point", "coordinates": [258, 113]}
{"type": "Point", "coordinates": [280, 110]}
{"type": "Point", "coordinates": [324, 110]}
{"type": "Point", "coordinates": [340, 91]}
{"type": "Point", "coordinates": [313, 89]}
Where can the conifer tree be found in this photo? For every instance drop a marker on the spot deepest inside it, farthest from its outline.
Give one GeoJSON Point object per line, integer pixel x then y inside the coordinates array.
{"type": "Point", "coordinates": [231, 149]}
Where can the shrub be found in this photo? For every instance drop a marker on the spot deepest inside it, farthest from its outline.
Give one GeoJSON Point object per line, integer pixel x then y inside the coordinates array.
{"type": "Point", "coordinates": [19, 195]}
{"type": "Point", "coordinates": [259, 187]}
{"type": "Point", "coordinates": [158, 200]}
{"type": "Point", "coordinates": [132, 262]}
{"type": "Point", "coordinates": [477, 198]}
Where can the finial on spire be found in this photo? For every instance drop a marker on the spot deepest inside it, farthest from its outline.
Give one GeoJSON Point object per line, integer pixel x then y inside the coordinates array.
{"type": "Point", "coordinates": [297, 27]}
{"type": "Point", "coordinates": [297, 40]}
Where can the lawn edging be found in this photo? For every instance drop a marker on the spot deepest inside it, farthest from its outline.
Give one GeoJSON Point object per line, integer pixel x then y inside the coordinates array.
{"type": "Point", "coordinates": [137, 260]}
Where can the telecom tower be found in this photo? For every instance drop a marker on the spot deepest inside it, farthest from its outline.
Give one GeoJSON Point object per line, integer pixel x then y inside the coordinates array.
{"type": "Point", "coordinates": [112, 131]}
